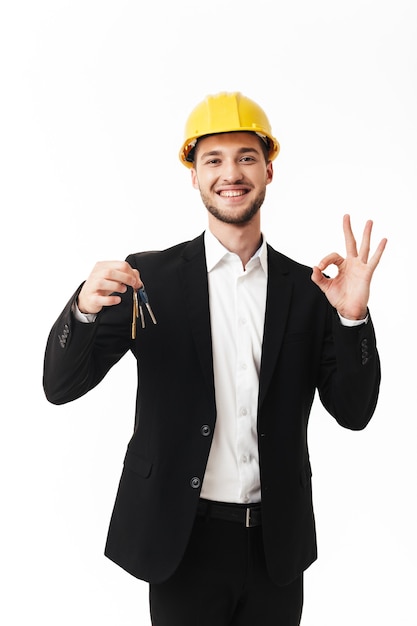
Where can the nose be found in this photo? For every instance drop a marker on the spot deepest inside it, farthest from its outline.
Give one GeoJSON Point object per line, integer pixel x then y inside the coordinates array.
{"type": "Point", "coordinates": [231, 171]}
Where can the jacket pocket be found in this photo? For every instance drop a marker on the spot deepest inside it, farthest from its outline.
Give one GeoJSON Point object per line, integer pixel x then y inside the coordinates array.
{"type": "Point", "coordinates": [138, 464]}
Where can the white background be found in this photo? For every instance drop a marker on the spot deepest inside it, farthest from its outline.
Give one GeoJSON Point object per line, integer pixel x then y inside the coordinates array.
{"type": "Point", "coordinates": [94, 97]}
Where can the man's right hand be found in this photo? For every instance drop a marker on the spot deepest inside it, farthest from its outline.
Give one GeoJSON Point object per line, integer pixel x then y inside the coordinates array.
{"type": "Point", "coordinates": [107, 278]}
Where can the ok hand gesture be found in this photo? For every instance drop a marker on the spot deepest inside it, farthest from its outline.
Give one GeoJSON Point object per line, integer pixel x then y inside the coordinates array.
{"type": "Point", "coordinates": [348, 291]}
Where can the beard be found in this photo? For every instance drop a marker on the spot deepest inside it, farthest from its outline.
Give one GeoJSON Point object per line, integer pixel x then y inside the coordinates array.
{"type": "Point", "coordinates": [226, 217]}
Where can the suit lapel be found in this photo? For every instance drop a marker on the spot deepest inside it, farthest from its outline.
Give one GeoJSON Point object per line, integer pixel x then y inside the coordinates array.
{"type": "Point", "coordinates": [193, 276]}
{"type": "Point", "coordinates": [277, 308]}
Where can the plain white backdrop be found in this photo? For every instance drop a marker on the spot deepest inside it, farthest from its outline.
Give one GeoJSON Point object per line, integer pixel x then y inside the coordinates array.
{"type": "Point", "coordinates": [94, 97]}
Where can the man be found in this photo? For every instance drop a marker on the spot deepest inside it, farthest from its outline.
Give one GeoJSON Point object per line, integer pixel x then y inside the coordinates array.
{"type": "Point", "coordinates": [214, 506]}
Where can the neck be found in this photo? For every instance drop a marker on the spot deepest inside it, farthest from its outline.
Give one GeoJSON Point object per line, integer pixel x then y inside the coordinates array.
{"type": "Point", "coordinates": [243, 240]}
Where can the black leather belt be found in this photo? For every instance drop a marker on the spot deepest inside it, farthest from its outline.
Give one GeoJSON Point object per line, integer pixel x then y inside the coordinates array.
{"type": "Point", "coordinates": [249, 516]}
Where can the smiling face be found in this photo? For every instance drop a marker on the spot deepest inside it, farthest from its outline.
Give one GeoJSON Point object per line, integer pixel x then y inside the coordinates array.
{"type": "Point", "coordinates": [231, 173]}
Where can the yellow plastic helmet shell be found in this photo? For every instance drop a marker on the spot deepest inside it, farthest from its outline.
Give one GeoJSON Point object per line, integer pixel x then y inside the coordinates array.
{"type": "Point", "coordinates": [226, 113]}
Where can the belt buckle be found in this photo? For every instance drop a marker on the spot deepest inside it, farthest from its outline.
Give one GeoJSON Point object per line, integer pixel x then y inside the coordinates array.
{"type": "Point", "coordinates": [247, 519]}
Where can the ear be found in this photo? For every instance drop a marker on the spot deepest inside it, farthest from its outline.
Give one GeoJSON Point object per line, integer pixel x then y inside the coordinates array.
{"type": "Point", "coordinates": [194, 179]}
{"type": "Point", "coordinates": [269, 172]}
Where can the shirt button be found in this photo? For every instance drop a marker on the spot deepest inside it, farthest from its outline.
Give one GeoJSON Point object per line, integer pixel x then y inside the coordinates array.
{"type": "Point", "coordinates": [243, 411]}
{"type": "Point", "coordinates": [195, 482]}
{"type": "Point", "coordinates": [244, 458]}
{"type": "Point", "coordinates": [205, 430]}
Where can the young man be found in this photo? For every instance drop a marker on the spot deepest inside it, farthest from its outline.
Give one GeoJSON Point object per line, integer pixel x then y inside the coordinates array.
{"type": "Point", "coordinates": [214, 506]}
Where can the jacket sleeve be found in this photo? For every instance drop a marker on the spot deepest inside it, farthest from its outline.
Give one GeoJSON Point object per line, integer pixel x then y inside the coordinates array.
{"type": "Point", "coordinates": [78, 355]}
{"type": "Point", "coordinates": [350, 393]}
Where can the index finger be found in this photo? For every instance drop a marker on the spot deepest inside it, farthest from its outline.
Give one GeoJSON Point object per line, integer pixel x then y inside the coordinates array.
{"type": "Point", "coordinates": [120, 272]}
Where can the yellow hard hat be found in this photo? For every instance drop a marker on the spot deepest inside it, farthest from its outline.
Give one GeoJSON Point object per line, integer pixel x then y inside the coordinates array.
{"type": "Point", "coordinates": [226, 113]}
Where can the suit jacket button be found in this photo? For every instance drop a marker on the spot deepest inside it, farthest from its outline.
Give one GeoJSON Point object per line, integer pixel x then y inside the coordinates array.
{"type": "Point", "coordinates": [205, 430]}
{"type": "Point", "coordinates": [195, 482]}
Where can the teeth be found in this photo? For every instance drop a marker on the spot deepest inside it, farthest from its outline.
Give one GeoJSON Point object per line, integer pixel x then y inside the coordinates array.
{"type": "Point", "coordinates": [232, 194]}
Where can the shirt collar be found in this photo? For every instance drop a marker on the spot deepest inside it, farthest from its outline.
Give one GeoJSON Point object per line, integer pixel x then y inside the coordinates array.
{"type": "Point", "coordinates": [215, 252]}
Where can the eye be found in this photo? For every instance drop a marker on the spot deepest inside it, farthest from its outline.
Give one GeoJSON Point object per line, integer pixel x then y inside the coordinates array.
{"type": "Point", "coordinates": [247, 159]}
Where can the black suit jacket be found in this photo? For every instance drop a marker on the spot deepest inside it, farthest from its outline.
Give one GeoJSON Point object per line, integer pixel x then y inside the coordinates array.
{"type": "Point", "coordinates": [305, 349]}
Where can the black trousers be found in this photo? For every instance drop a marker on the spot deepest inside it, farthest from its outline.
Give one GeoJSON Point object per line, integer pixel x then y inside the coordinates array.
{"type": "Point", "coordinates": [223, 581]}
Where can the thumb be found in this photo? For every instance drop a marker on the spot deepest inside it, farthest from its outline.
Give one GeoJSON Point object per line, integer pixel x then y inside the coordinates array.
{"type": "Point", "coordinates": [319, 278]}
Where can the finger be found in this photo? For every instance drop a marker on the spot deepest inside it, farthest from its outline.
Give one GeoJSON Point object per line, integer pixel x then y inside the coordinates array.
{"type": "Point", "coordinates": [350, 241]}
{"type": "Point", "coordinates": [139, 282]}
{"type": "Point", "coordinates": [97, 301]}
{"type": "Point", "coordinates": [94, 302]}
{"type": "Point", "coordinates": [126, 276]}
{"type": "Point", "coordinates": [320, 280]}
{"type": "Point", "coordinates": [106, 286]}
{"type": "Point", "coordinates": [366, 242]}
{"type": "Point", "coordinates": [317, 275]}
{"type": "Point", "coordinates": [119, 272]}
{"type": "Point", "coordinates": [108, 300]}
{"type": "Point", "coordinates": [331, 259]}
{"type": "Point", "coordinates": [376, 257]}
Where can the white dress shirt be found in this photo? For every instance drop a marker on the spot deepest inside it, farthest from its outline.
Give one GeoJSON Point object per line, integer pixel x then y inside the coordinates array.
{"type": "Point", "coordinates": [237, 299]}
